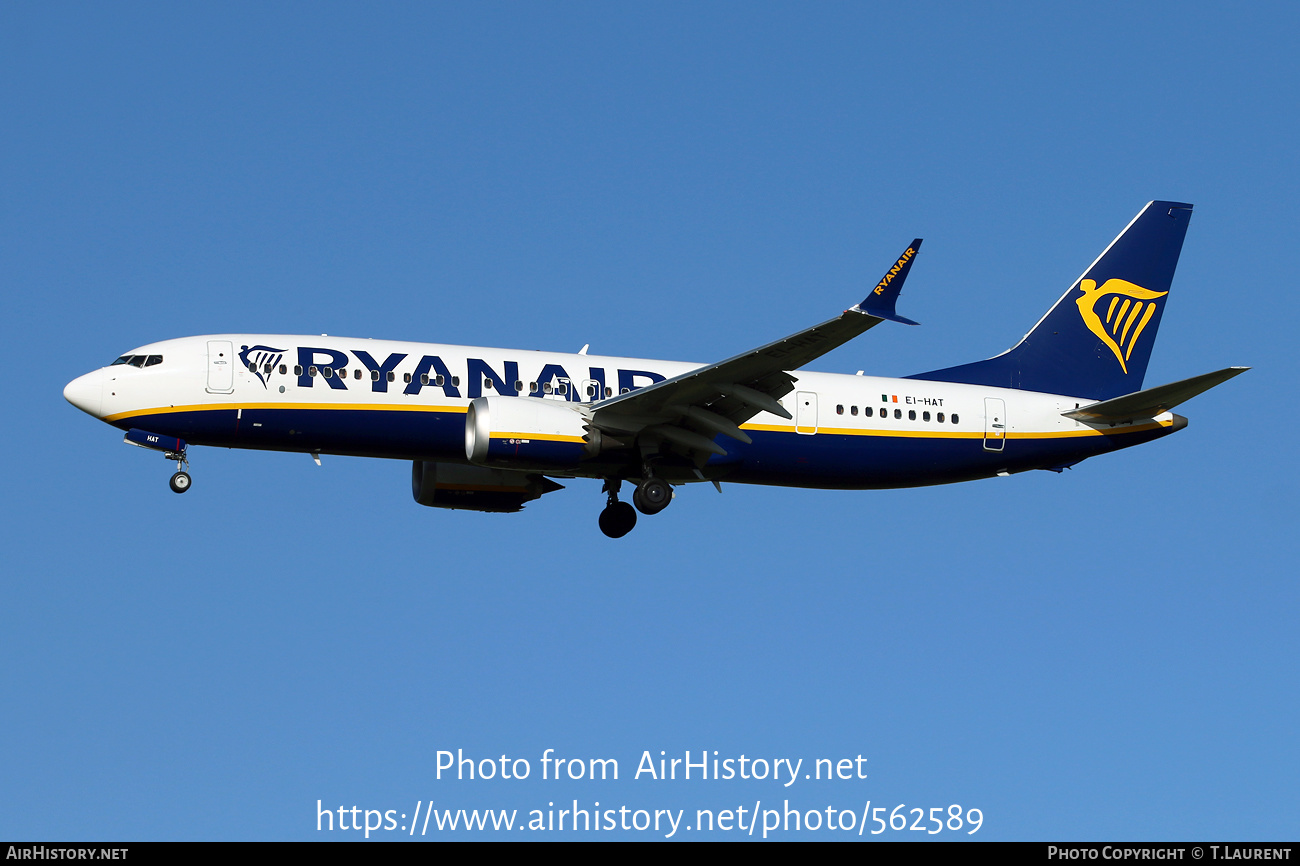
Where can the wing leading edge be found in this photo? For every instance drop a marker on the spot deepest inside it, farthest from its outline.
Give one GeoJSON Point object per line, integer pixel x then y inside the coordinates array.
{"type": "Point", "coordinates": [689, 410]}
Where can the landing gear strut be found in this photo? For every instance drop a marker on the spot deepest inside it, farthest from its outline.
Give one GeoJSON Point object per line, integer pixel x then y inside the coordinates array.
{"type": "Point", "coordinates": [181, 481]}
{"type": "Point", "coordinates": [618, 518]}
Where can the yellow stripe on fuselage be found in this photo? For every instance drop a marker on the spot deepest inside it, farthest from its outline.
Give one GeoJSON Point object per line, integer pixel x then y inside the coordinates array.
{"type": "Point", "coordinates": [545, 437]}
{"type": "Point", "coordinates": [935, 433]}
{"type": "Point", "coordinates": [226, 407]}
{"type": "Point", "coordinates": [959, 434]}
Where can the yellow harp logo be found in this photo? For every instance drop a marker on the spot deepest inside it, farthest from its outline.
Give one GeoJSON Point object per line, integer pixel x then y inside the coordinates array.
{"type": "Point", "coordinates": [1131, 307]}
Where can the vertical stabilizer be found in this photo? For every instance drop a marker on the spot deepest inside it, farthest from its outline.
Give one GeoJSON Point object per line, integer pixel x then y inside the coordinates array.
{"type": "Point", "coordinates": [1096, 341]}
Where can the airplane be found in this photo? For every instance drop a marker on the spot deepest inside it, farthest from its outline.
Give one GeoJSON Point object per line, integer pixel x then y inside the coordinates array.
{"type": "Point", "coordinates": [490, 429]}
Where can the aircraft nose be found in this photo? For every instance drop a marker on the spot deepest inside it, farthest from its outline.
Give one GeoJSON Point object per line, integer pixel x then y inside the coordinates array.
{"type": "Point", "coordinates": [86, 392]}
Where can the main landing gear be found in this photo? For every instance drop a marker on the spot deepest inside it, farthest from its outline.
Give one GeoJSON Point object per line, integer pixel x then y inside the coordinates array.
{"type": "Point", "coordinates": [618, 518]}
{"type": "Point", "coordinates": [651, 496]}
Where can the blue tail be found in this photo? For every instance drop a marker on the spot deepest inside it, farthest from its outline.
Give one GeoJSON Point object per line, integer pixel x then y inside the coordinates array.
{"type": "Point", "coordinates": [1097, 340]}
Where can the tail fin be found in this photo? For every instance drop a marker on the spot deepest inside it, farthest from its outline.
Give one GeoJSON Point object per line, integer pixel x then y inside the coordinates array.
{"type": "Point", "coordinates": [1096, 341]}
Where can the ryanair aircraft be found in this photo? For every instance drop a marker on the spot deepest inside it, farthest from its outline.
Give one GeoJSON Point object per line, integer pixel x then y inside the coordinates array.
{"type": "Point", "coordinates": [489, 429]}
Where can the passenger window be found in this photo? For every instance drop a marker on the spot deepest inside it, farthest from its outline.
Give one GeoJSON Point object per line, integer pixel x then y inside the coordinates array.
{"type": "Point", "coordinates": [954, 417]}
{"type": "Point", "coordinates": [356, 374]}
{"type": "Point", "coordinates": [853, 410]}
{"type": "Point", "coordinates": [297, 369]}
{"type": "Point", "coordinates": [911, 414]}
{"type": "Point", "coordinates": [283, 369]}
{"type": "Point", "coordinates": [519, 385]}
{"type": "Point", "coordinates": [546, 387]}
{"type": "Point", "coordinates": [609, 392]}
{"type": "Point", "coordinates": [591, 390]}
{"type": "Point", "coordinates": [424, 378]}
{"type": "Point", "coordinates": [868, 411]}
{"type": "Point", "coordinates": [939, 417]}
{"type": "Point", "coordinates": [438, 380]}
{"type": "Point", "coordinates": [455, 381]}
{"type": "Point", "coordinates": [623, 390]}
{"type": "Point", "coordinates": [487, 384]}
{"type": "Point", "coordinates": [406, 378]}
{"type": "Point", "coordinates": [157, 359]}
{"type": "Point", "coordinates": [374, 375]}
{"type": "Point", "coordinates": [562, 388]}
{"type": "Point", "coordinates": [392, 377]}
{"type": "Point", "coordinates": [925, 416]}
{"type": "Point", "coordinates": [839, 410]}
{"type": "Point", "coordinates": [898, 413]}
{"type": "Point", "coordinates": [327, 372]}
{"type": "Point", "coordinates": [311, 371]}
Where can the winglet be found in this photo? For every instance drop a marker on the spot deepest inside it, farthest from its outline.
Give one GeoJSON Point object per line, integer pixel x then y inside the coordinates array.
{"type": "Point", "coordinates": [880, 303]}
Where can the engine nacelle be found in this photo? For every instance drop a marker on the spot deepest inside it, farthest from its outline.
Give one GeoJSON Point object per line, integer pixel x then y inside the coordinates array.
{"type": "Point", "coordinates": [475, 488]}
{"type": "Point", "coordinates": [527, 432]}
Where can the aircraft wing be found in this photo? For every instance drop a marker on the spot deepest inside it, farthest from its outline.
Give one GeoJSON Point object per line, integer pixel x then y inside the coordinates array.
{"type": "Point", "coordinates": [689, 410]}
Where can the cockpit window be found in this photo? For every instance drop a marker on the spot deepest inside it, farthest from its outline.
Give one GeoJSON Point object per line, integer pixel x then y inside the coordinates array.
{"type": "Point", "coordinates": [138, 360]}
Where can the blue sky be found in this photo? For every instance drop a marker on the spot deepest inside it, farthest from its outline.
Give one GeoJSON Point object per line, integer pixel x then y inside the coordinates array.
{"type": "Point", "coordinates": [1106, 654]}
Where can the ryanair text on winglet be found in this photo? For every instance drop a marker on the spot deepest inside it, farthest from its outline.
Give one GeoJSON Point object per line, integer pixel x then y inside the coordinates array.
{"type": "Point", "coordinates": [889, 277]}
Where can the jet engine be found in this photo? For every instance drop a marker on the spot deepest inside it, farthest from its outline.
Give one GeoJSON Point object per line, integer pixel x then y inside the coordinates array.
{"type": "Point", "coordinates": [527, 433]}
{"type": "Point", "coordinates": [475, 488]}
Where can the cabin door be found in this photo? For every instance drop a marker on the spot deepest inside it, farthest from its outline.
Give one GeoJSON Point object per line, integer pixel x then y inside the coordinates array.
{"type": "Point", "coordinates": [805, 413]}
{"type": "Point", "coordinates": [995, 423]}
{"type": "Point", "coordinates": [221, 367]}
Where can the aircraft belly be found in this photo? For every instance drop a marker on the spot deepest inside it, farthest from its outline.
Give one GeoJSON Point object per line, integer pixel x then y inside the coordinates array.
{"type": "Point", "coordinates": [361, 432]}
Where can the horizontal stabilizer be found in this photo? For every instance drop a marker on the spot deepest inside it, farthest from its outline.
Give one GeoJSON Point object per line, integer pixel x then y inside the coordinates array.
{"type": "Point", "coordinates": [1152, 401]}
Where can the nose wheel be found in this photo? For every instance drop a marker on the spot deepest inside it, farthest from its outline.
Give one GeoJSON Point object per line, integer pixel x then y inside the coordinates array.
{"type": "Point", "coordinates": [618, 518]}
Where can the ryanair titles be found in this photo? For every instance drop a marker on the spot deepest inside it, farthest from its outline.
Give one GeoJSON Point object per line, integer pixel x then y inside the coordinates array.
{"type": "Point", "coordinates": [893, 272]}
{"type": "Point", "coordinates": [340, 370]}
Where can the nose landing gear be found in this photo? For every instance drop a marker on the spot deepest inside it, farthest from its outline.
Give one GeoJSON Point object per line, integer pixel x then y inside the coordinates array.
{"type": "Point", "coordinates": [171, 448]}
{"type": "Point", "coordinates": [180, 482]}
